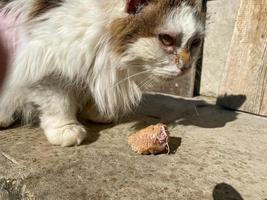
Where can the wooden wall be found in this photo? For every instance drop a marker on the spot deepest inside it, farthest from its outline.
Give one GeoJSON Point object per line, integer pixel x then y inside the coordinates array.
{"type": "Point", "coordinates": [234, 67]}
{"type": "Point", "coordinates": [220, 22]}
{"type": "Point", "coordinates": [246, 67]}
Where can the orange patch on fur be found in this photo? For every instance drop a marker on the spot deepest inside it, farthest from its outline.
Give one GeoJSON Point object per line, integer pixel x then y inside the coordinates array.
{"type": "Point", "coordinates": [144, 24]}
{"type": "Point", "coordinates": [124, 31]}
{"type": "Point", "coordinates": [184, 56]}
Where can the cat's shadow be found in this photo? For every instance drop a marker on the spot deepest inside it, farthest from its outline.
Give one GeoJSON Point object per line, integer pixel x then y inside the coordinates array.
{"type": "Point", "coordinates": [174, 111]}
{"type": "Point", "coordinates": [94, 130]}
{"type": "Point", "coordinates": [224, 191]}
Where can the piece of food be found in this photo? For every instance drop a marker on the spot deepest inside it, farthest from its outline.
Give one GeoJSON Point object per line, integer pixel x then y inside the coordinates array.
{"type": "Point", "coordinates": [151, 140]}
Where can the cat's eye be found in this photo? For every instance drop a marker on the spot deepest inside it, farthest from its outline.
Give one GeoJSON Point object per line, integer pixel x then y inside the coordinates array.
{"type": "Point", "coordinates": [195, 43]}
{"type": "Point", "coordinates": [166, 39]}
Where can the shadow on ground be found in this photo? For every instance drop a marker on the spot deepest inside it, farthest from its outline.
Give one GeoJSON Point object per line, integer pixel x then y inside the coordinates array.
{"type": "Point", "coordinates": [224, 191]}
{"type": "Point", "coordinates": [174, 144]}
{"type": "Point", "coordinates": [233, 102]}
{"type": "Point", "coordinates": [158, 108]}
{"type": "Point", "coordinates": [94, 130]}
{"type": "Point", "coordinates": [174, 111]}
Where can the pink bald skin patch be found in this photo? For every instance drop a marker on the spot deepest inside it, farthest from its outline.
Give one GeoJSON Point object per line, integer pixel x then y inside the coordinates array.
{"type": "Point", "coordinates": [8, 32]}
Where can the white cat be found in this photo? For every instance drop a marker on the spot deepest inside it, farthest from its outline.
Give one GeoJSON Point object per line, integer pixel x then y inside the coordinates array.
{"type": "Point", "coordinates": [91, 57]}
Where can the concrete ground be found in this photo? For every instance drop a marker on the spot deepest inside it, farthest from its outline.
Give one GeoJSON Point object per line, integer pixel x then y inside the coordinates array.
{"type": "Point", "coordinates": [216, 154]}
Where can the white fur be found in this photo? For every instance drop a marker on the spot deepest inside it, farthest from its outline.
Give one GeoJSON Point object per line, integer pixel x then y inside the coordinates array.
{"type": "Point", "coordinates": [66, 60]}
{"type": "Point", "coordinates": [188, 24]}
{"type": "Point", "coordinates": [181, 21]}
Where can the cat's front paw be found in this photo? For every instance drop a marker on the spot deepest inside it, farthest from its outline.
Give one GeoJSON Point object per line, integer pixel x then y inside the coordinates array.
{"type": "Point", "coordinates": [68, 135]}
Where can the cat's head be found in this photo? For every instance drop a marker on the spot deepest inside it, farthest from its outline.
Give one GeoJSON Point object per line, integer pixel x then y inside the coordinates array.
{"type": "Point", "coordinates": [162, 37]}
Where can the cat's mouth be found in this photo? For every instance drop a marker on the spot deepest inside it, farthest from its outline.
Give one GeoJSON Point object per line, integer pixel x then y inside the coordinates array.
{"type": "Point", "coordinates": [169, 75]}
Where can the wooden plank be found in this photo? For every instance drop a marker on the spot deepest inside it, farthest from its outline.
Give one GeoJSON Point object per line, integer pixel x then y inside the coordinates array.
{"type": "Point", "coordinates": [246, 68]}
{"type": "Point", "coordinates": [220, 23]}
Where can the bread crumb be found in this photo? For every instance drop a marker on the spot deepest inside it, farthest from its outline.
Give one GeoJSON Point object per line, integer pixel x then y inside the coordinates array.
{"type": "Point", "coordinates": [150, 140]}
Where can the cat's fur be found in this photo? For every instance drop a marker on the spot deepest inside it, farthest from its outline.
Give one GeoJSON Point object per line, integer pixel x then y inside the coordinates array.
{"type": "Point", "coordinates": [74, 56]}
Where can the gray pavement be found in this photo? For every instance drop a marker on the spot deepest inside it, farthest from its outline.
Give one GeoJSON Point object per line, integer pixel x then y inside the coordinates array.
{"type": "Point", "coordinates": [216, 154]}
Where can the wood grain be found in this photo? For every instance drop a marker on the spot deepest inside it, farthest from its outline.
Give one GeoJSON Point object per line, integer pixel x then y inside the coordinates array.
{"type": "Point", "coordinates": [220, 23]}
{"type": "Point", "coordinates": [246, 67]}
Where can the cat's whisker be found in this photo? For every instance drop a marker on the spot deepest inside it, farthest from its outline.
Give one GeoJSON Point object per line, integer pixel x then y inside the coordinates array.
{"type": "Point", "coordinates": [198, 73]}
{"type": "Point", "coordinates": [129, 77]}
{"type": "Point", "coordinates": [147, 81]}
{"type": "Point", "coordinates": [141, 83]}
{"type": "Point", "coordinates": [148, 84]}
{"type": "Point", "coordinates": [195, 107]}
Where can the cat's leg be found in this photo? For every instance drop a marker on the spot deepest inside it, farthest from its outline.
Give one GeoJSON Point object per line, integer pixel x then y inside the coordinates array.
{"type": "Point", "coordinates": [6, 119]}
{"type": "Point", "coordinates": [6, 115]}
{"type": "Point", "coordinates": [11, 100]}
{"type": "Point", "coordinates": [91, 113]}
{"type": "Point", "coordinates": [58, 119]}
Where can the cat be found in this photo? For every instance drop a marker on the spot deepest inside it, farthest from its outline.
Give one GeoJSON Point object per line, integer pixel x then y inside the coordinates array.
{"type": "Point", "coordinates": [90, 57]}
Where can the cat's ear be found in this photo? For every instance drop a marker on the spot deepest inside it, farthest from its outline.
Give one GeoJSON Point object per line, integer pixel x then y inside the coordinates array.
{"type": "Point", "coordinates": [135, 6]}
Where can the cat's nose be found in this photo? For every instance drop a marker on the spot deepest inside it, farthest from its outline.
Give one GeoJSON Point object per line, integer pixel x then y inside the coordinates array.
{"type": "Point", "coordinates": [183, 60]}
{"type": "Point", "coordinates": [183, 57]}
{"type": "Point", "coordinates": [184, 69]}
